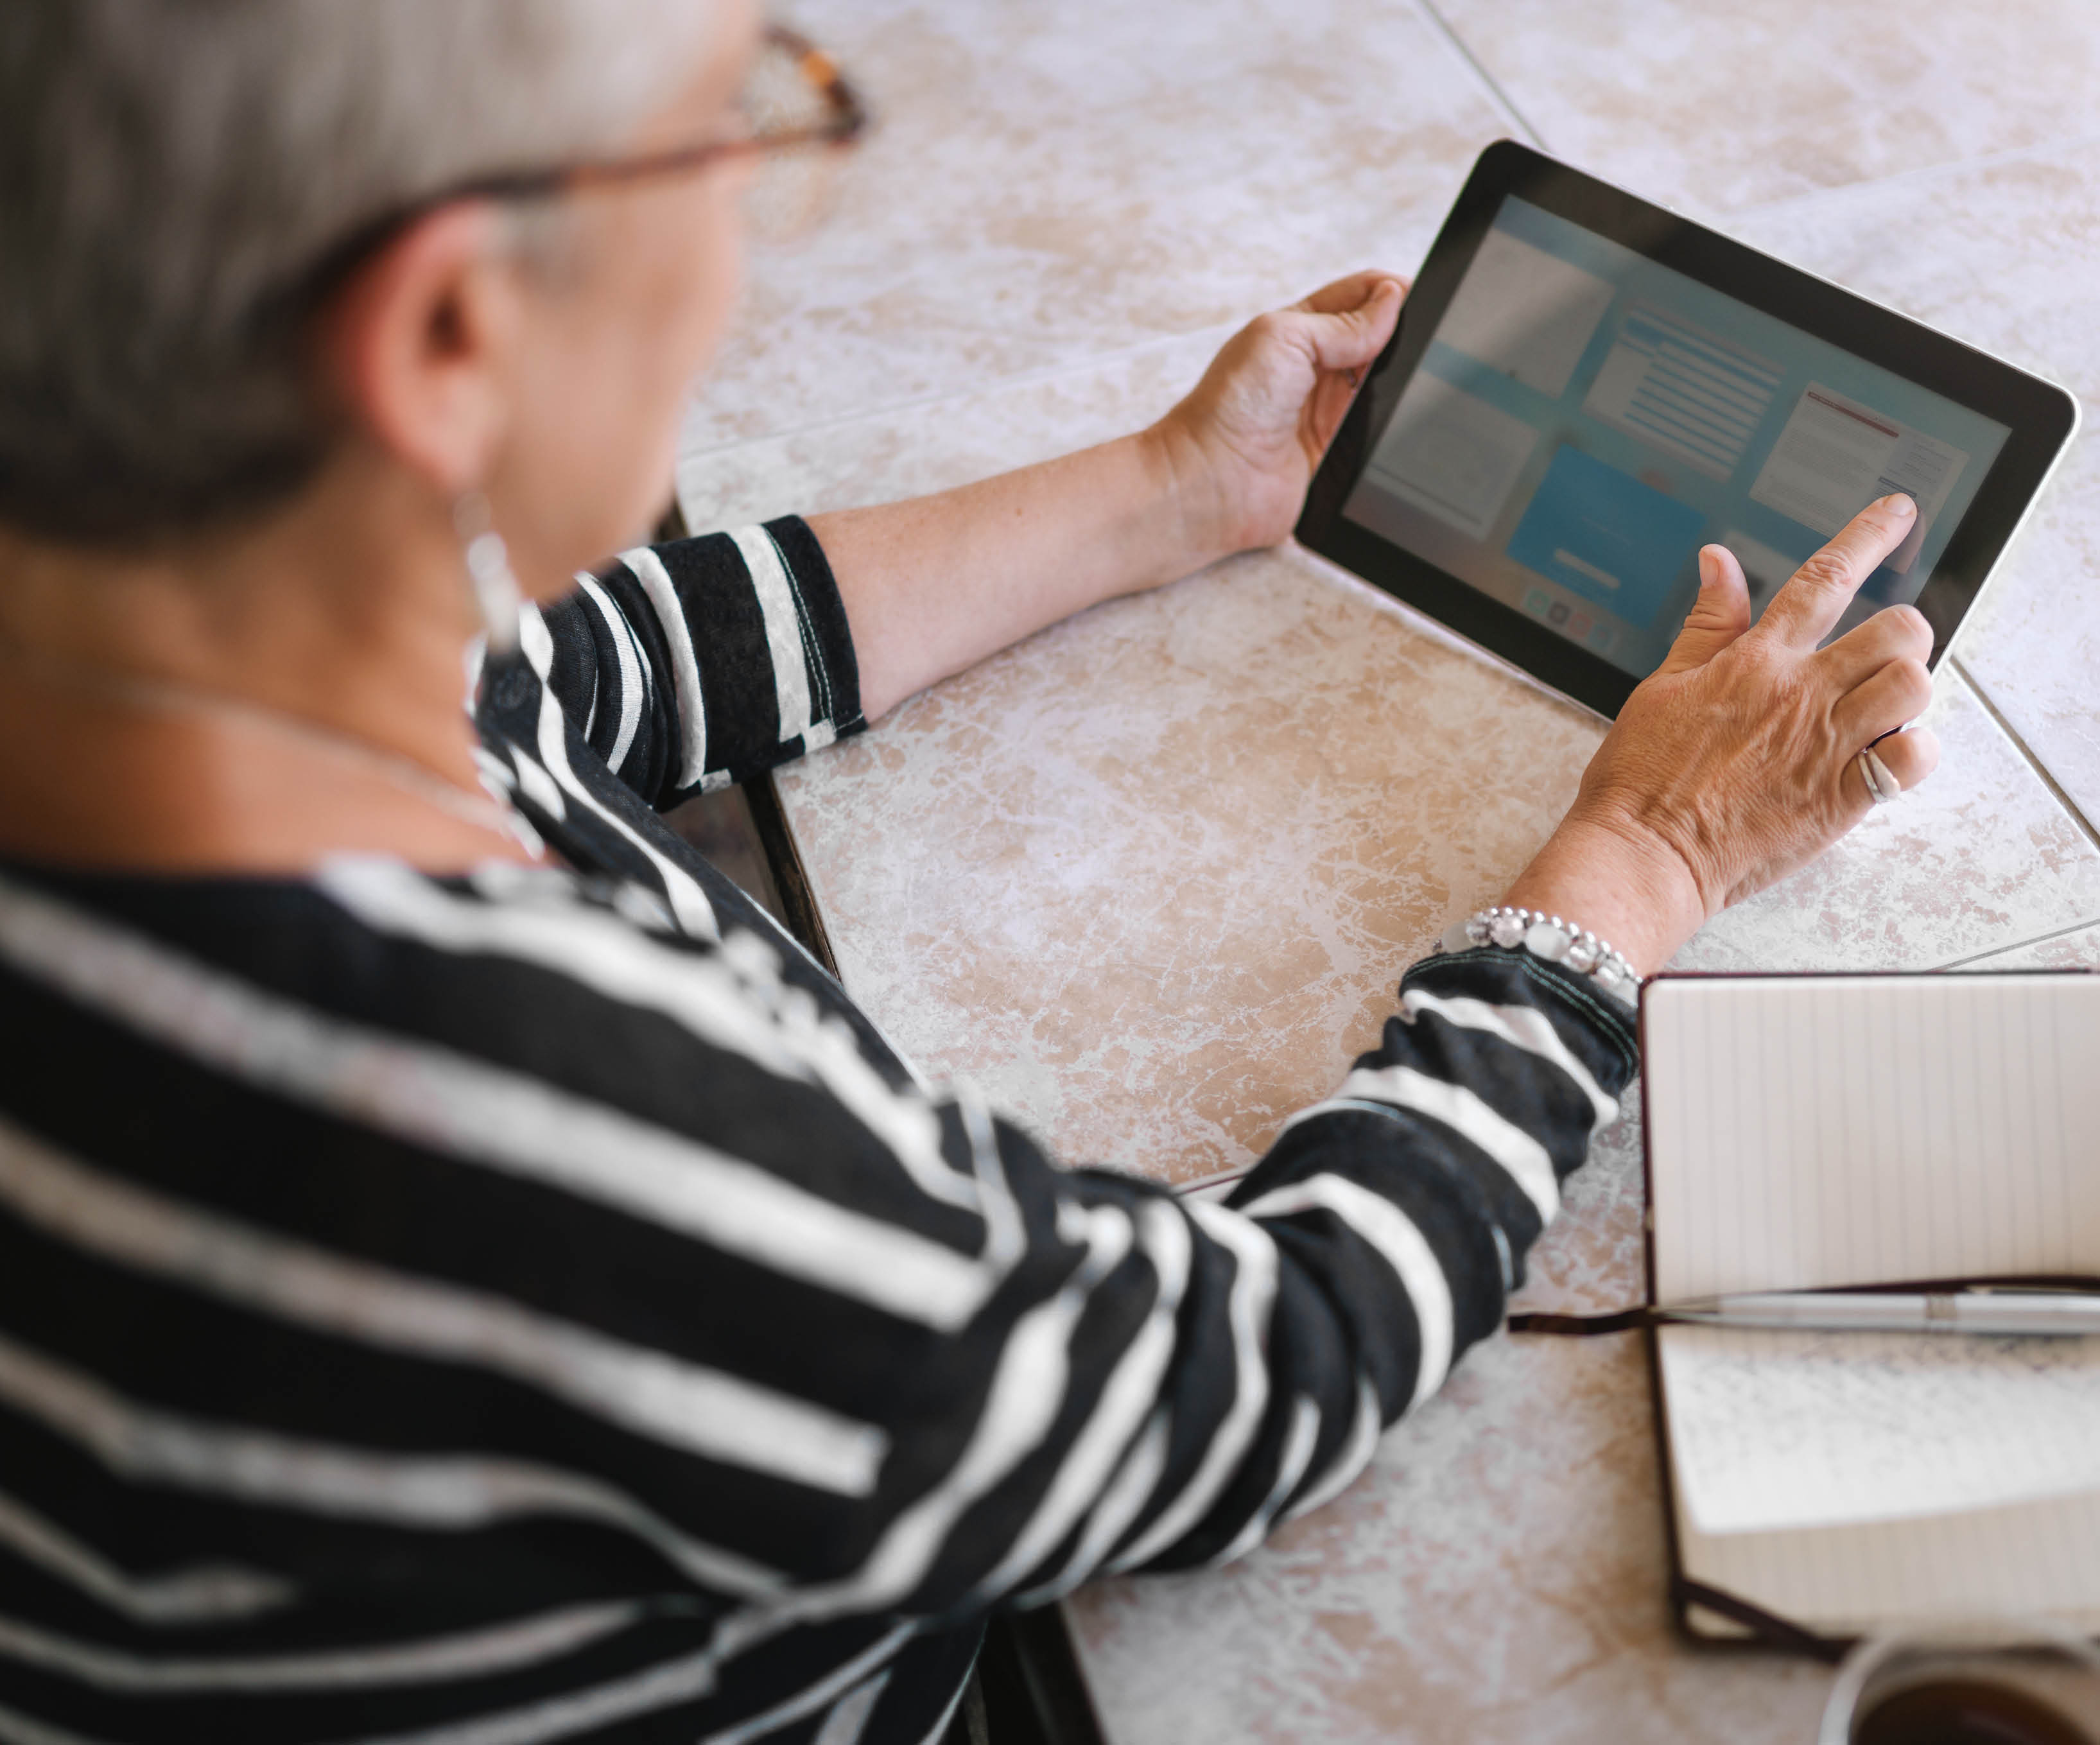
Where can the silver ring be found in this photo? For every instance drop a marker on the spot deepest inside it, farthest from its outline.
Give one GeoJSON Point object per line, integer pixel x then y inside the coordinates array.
{"type": "Point", "coordinates": [1882, 786]}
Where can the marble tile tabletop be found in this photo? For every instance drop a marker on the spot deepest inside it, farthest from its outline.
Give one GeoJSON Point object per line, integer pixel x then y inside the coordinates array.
{"type": "Point", "coordinates": [1151, 877]}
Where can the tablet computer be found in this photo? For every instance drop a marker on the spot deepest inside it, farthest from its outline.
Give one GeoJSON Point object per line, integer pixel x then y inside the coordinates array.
{"type": "Point", "coordinates": [1584, 388]}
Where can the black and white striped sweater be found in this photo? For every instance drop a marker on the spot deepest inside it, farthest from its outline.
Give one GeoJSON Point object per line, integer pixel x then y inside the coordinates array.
{"type": "Point", "coordinates": [537, 1306]}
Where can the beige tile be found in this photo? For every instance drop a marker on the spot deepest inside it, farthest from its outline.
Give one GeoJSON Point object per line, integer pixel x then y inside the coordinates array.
{"type": "Point", "coordinates": [1715, 105]}
{"type": "Point", "coordinates": [1150, 878]}
{"type": "Point", "coordinates": [1050, 183]}
{"type": "Point", "coordinates": [847, 463]}
{"type": "Point", "coordinates": [2078, 948]}
{"type": "Point", "coordinates": [1497, 1578]}
{"type": "Point", "coordinates": [1593, 1259]}
{"type": "Point", "coordinates": [2034, 651]}
{"type": "Point", "coordinates": [2007, 257]}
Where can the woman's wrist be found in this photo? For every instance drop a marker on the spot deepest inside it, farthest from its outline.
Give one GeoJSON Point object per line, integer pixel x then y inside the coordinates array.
{"type": "Point", "coordinates": [1192, 506]}
{"type": "Point", "coordinates": [1622, 884]}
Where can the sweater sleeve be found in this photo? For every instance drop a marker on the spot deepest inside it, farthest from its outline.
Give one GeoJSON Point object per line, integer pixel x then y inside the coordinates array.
{"type": "Point", "coordinates": [1219, 1368]}
{"type": "Point", "coordinates": [955, 1375]}
{"type": "Point", "coordinates": [692, 665]}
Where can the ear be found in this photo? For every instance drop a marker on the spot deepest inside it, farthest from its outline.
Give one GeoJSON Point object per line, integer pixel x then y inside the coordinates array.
{"type": "Point", "coordinates": [421, 345]}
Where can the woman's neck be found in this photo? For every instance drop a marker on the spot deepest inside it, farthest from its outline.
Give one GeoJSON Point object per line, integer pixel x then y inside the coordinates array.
{"type": "Point", "coordinates": [249, 701]}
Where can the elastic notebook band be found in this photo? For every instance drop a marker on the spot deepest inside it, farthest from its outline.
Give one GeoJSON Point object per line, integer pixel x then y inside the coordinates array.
{"type": "Point", "coordinates": [1584, 1326]}
{"type": "Point", "coordinates": [1768, 1626]}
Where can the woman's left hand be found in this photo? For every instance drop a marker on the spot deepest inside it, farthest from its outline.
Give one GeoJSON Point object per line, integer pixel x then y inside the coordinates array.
{"type": "Point", "coordinates": [934, 584]}
{"type": "Point", "coordinates": [1244, 444]}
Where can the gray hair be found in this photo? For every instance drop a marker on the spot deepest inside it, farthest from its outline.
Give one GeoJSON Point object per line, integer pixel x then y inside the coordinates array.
{"type": "Point", "coordinates": [170, 168]}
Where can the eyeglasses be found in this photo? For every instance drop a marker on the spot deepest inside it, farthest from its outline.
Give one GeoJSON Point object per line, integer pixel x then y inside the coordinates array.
{"type": "Point", "coordinates": [796, 114]}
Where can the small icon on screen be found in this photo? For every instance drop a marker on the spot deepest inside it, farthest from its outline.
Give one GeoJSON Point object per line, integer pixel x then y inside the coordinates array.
{"type": "Point", "coordinates": [1578, 627]}
{"type": "Point", "coordinates": [1538, 602]}
{"type": "Point", "coordinates": [1559, 614]}
{"type": "Point", "coordinates": [1600, 638]}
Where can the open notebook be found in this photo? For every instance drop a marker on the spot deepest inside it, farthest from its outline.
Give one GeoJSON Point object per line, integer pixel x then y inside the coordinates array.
{"type": "Point", "coordinates": [1809, 1132]}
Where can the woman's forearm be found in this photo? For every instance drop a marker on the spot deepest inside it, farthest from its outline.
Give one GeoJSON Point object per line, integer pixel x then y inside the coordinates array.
{"type": "Point", "coordinates": [934, 584]}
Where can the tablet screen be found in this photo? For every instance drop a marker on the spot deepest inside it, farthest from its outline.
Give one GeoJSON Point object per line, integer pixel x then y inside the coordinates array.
{"type": "Point", "coordinates": [1584, 419]}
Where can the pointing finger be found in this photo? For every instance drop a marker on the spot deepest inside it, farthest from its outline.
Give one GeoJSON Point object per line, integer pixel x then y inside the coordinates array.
{"type": "Point", "coordinates": [1806, 609]}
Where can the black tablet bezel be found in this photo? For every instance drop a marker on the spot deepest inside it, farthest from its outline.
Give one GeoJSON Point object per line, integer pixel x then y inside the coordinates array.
{"type": "Point", "coordinates": [2040, 415]}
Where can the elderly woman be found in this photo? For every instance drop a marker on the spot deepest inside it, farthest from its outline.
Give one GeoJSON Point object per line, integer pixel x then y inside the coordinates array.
{"type": "Point", "coordinates": [464, 1273]}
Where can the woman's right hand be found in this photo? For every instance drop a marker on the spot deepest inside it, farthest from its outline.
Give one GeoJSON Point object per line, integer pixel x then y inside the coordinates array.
{"type": "Point", "coordinates": [1737, 760]}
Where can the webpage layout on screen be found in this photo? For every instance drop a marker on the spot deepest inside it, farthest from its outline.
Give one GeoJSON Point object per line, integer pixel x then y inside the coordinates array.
{"type": "Point", "coordinates": [1584, 420]}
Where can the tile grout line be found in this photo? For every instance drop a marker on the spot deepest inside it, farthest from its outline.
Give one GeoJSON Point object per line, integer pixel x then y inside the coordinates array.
{"type": "Point", "coordinates": [1429, 9]}
{"type": "Point", "coordinates": [2020, 945]}
{"type": "Point", "coordinates": [2035, 763]}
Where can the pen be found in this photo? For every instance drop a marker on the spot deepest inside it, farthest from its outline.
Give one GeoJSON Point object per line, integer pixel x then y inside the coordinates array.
{"type": "Point", "coordinates": [2047, 1313]}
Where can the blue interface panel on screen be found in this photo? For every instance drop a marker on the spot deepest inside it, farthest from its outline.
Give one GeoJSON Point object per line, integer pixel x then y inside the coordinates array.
{"type": "Point", "coordinates": [1585, 419]}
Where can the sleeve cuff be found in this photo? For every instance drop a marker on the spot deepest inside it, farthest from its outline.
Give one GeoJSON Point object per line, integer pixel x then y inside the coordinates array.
{"type": "Point", "coordinates": [755, 653]}
{"type": "Point", "coordinates": [1600, 1031]}
{"type": "Point", "coordinates": [833, 665]}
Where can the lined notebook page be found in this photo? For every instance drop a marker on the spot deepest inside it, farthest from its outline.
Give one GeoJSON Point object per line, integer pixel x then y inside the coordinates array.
{"type": "Point", "coordinates": [1820, 1131]}
{"type": "Point", "coordinates": [1772, 1431]}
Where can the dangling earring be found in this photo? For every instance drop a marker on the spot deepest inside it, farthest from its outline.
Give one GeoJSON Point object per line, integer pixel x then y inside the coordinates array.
{"type": "Point", "coordinates": [488, 574]}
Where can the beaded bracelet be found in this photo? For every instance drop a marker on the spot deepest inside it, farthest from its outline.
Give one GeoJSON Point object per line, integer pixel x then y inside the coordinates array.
{"type": "Point", "coordinates": [1551, 937]}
